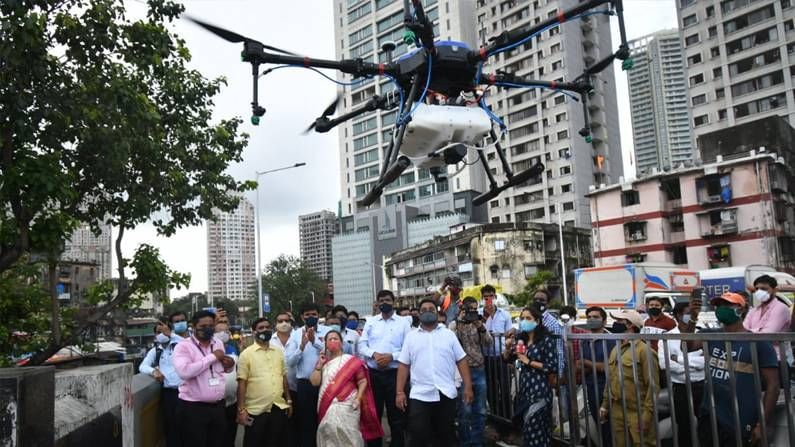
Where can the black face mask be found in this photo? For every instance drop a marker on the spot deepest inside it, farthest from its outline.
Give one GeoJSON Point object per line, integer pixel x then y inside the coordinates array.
{"type": "Point", "coordinates": [415, 320]}
{"type": "Point", "coordinates": [471, 316]}
{"type": "Point", "coordinates": [264, 336]}
{"type": "Point", "coordinates": [541, 305]}
{"type": "Point", "coordinates": [310, 321]}
{"type": "Point", "coordinates": [428, 318]}
{"type": "Point", "coordinates": [594, 323]}
{"type": "Point", "coordinates": [654, 311]}
{"type": "Point", "coordinates": [619, 328]}
{"type": "Point", "coordinates": [206, 333]}
{"type": "Point", "coordinates": [385, 308]}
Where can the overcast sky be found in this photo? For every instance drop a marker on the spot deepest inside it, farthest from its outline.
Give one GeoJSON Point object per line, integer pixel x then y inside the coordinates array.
{"type": "Point", "coordinates": [293, 98]}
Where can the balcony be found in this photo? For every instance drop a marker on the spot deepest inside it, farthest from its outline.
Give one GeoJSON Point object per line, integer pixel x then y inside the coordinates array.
{"type": "Point", "coordinates": [673, 205]}
{"type": "Point", "coordinates": [677, 237]}
{"type": "Point", "coordinates": [719, 223]}
{"type": "Point", "coordinates": [635, 232]}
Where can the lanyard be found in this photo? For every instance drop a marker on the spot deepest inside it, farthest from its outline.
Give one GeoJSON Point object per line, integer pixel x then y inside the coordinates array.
{"type": "Point", "coordinates": [212, 374]}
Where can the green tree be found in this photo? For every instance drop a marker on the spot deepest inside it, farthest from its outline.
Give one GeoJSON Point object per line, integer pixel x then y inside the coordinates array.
{"type": "Point", "coordinates": [287, 280]}
{"type": "Point", "coordinates": [540, 279]}
{"type": "Point", "coordinates": [101, 120]}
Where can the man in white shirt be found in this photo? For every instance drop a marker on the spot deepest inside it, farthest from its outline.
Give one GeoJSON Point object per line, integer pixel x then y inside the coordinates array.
{"type": "Point", "coordinates": [350, 337]}
{"type": "Point", "coordinates": [431, 354]}
{"type": "Point", "coordinates": [283, 340]}
{"type": "Point", "coordinates": [380, 345]}
{"type": "Point", "coordinates": [676, 365]}
{"type": "Point", "coordinates": [498, 376]}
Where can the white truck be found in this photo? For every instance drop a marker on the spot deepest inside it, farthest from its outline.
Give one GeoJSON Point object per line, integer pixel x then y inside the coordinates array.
{"type": "Point", "coordinates": [628, 286]}
{"type": "Point", "coordinates": [718, 281]}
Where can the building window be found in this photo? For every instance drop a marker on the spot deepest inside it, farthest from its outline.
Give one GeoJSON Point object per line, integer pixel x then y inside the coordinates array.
{"type": "Point", "coordinates": [760, 105]}
{"type": "Point", "coordinates": [689, 20]}
{"type": "Point", "coordinates": [712, 32]}
{"type": "Point", "coordinates": [697, 79]}
{"type": "Point", "coordinates": [506, 272]}
{"type": "Point", "coordinates": [565, 170]}
{"type": "Point", "coordinates": [629, 198]}
{"type": "Point", "coordinates": [499, 245]}
{"type": "Point", "coordinates": [720, 93]}
{"type": "Point", "coordinates": [694, 59]}
{"type": "Point", "coordinates": [568, 206]}
{"type": "Point", "coordinates": [635, 231]}
{"type": "Point", "coordinates": [710, 11]}
{"type": "Point", "coordinates": [701, 120]}
{"type": "Point", "coordinates": [762, 82]}
{"type": "Point", "coordinates": [565, 188]}
{"type": "Point", "coordinates": [691, 39]}
{"type": "Point", "coordinates": [563, 134]}
{"type": "Point", "coordinates": [679, 255]}
{"type": "Point", "coordinates": [714, 52]}
{"type": "Point", "coordinates": [719, 256]}
{"type": "Point", "coordinates": [699, 99]}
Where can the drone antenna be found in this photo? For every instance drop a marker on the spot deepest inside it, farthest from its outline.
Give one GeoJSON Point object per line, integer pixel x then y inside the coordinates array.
{"type": "Point", "coordinates": [388, 47]}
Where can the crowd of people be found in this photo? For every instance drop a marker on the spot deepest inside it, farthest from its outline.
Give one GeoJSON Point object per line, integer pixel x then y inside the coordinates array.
{"type": "Point", "coordinates": [436, 369]}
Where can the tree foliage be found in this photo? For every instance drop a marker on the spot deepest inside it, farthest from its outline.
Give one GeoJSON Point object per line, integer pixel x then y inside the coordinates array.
{"type": "Point", "coordinates": [101, 120]}
{"type": "Point", "coordinates": [286, 279]}
{"type": "Point", "coordinates": [539, 280]}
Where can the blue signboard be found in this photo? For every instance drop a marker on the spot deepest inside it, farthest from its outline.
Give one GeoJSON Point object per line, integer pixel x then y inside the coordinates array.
{"type": "Point", "coordinates": [718, 286]}
{"type": "Point", "coordinates": [266, 303]}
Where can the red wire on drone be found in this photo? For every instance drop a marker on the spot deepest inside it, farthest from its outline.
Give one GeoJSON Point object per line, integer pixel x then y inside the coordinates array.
{"type": "Point", "coordinates": [306, 61]}
{"type": "Point", "coordinates": [561, 16]}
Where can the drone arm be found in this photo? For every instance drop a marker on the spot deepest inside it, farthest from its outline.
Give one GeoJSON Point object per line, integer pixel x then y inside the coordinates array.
{"type": "Point", "coordinates": [489, 175]}
{"type": "Point", "coordinates": [254, 52]}
{"type": "Point", "coordinates": [501, 153]}
{"type": "Point", "coordinates": [512, 37]}
{"type": "Point", "coordinates": [578, 86]}
{"type": "Point", "coordinates": [324, 124]}
{"type": "Point", "coordinates": [422, 26]}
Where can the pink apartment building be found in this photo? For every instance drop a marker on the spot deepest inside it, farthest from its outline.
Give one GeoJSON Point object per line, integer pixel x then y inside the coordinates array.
{"type": "Point", "coordinates": [737, 210]}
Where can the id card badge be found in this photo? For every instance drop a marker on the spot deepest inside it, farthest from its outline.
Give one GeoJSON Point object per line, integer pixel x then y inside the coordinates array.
{"type": "Point", "coordinates": [214, 381]}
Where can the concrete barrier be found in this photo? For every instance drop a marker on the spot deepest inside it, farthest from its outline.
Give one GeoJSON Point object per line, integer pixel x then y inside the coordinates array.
{"type": "Point", "coordinates": [94, 406]}
{"type": "Point", "coordinates": [148, 418]}
{"type": "Point", "coordinates": [26, 410]}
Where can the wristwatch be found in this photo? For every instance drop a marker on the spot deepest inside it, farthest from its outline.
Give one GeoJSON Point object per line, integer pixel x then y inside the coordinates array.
{"type": "Point", "coordinates": [242, 410]}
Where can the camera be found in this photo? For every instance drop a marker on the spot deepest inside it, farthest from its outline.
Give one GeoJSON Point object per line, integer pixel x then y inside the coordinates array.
{"type": "Point", "coordinates": [471, 316]}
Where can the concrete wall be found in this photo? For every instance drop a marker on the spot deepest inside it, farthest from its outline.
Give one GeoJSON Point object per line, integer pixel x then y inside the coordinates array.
{"type": "Point", "coordinates": [94, 406]}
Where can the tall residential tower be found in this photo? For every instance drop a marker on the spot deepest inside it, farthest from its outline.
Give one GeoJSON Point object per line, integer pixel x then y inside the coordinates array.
{"type": "Point", "coordinates": [231, 260]}
{"type": "Point", "coordinates": [315, 232]}
{"type": "Point", "coordinates": [658, 99]}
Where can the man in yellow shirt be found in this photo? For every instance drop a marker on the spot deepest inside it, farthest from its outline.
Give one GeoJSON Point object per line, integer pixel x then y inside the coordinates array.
{"type": "Point", "coordinates": [262, 393]}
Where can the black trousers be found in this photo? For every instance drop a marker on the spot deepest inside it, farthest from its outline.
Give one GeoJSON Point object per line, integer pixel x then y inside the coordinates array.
{"type": "Point", "coordinates": [726, 435]}
{"type": "Point", "coordinates": [267, 429]}
{"type": "Point", "coordinates": [306, 413]}
{"type": "Point", "coordinates": [169, 401]}
{"type": "Point", "coordinates": [384, 391]}
{"type": "Point", "coordinates": [432, 423]}
{"type": "Point", "coordinates": [292, 434]}
{"type": "Point", "coordinates": [683, 425]}
{"type": "Point", "coordinates": [231, 425]}
{"type": "Point", "coordinates": [203, 424]}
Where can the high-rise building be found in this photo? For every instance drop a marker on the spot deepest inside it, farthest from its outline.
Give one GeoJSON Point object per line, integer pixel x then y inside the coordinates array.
{"type": "Point", "coordinates": [315, 232]}
{"type": "Point", "coordinates": [544, 126]}
{"type": "Point", "coordinates": [231, 271]}
{"type": "Point", "coordinates": [658, 100]}
{"type": "Point", "coordinates": [361, 28]}
{"type": "Point", "coordinates": [739, 57]}
{"type": "Point", "coordinates": [86, 247]}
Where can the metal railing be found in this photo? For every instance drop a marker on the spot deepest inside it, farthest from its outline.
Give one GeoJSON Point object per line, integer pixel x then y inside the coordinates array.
{"type": "Point", "coordinates": [577, 419]}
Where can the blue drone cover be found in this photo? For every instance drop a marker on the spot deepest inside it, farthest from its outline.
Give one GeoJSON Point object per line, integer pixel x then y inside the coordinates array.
{"type": "Point", "coordinates": [441, 43]}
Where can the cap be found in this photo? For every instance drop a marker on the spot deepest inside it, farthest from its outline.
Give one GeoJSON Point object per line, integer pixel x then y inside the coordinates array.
{"type": "Point", "coordinates": [631, 315]}
{"type": "Point", "coordinates": [731, 298]}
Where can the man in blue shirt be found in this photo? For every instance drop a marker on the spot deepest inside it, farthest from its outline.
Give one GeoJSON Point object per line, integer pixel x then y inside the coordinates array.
{"type": "Point", "coordinates": [157, 364]}
{"type": "Point", "coordinates": [303, 355]}
{"type": "Point", "coordinates": [380, 345]}
{"type": "Point", "coordinates": [593, 364]}
{"type": "Point", "coordinates": [730, 308]}
{"type": "Point", "coordinates": [498, 375]}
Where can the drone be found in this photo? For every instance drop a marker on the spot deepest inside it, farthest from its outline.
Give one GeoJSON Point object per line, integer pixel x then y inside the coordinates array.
{"type": "Point", "coordinates": [439, 93]}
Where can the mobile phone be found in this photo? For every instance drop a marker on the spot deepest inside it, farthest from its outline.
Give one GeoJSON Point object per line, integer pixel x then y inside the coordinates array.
{"type": "Point", "coordinates": [210, 309]}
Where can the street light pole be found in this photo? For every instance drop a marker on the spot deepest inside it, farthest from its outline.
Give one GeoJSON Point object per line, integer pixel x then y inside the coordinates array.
{"type": "Point", "coordinates": [256, 220]}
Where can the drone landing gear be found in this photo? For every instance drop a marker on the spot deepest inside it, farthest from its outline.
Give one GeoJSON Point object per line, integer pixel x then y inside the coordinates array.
{"type": "Point", "coordinates": [513, 180]}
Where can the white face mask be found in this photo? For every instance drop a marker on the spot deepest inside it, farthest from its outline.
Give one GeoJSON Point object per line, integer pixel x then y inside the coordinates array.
{"type": "Point", "coordinates": [284, 326]}
{"type": "Point", "coordinates": [223, 337]}
{"type": "Point", "coordinates": [761, 297]}
{"type": "Point", "coordinates": [162, 338]}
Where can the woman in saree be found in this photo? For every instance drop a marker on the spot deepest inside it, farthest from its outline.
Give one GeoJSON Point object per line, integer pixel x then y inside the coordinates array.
{"type": "Point", "coordinates": [346, 409]}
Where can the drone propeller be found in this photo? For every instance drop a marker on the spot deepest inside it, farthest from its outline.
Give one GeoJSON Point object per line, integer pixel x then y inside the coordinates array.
{"type": "Point", "coordinates": [328, 111]}
{"type": "Point", "coordinates": [232, 36]}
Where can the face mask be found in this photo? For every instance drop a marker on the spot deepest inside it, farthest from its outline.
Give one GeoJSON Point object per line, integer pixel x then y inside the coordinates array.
{"type": "Point", "coordinates": [352, 325]}
{"type": "Point", "coordinates": [162, 338]}
{"type": "Point", "coordinates": [761, 297]}
{"type": "Point", "coordinates": [727, 315]}
{"type": "Point", "coordinates": [593, 323]}
{"type": "Point", "coordinates": [264, 336]}
{"type": "Point", "coordinates": [343, 322]}
{"type": "Point", "coordinates": [619, 328]}
{"type": "Point", "coordinates": [222, 336]}
{"type": "Point", "coordinates": [654, 311]}
{"type": "Point", "coordinates": [180, 327]}
{"type": "Point", "coordinates": [333, 345]}
{"type": "Point", "coordinates": [527, 326]}
{"type": "Point", "coordinates": [415, 320]}
{"type": "Point", "coordinates": [310, 321]}
{"type": "Point", "coordinates": [336, 327]}
{"type": "Point", "coordinates": [541, 305]}
{"type": "Point", "coordinates": [686, 319]}
{"type": "Point", "coordinates": [428, 318]}
{"type": "Point", "coordinates": [284, 326]}
{"type": "Point", "coordinates": [385, 308]}
{"type": "Point", "coordinates": [205, 333]}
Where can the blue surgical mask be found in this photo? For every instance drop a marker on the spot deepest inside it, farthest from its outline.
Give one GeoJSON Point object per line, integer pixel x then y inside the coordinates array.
{"type": "Point", "coordinates": [527, 326]}
{"type": "Point", "coordinates": [335, 327]}
{"type": "Point", "coordinates": [352, 324]}
{"type": "Point", "coordinates": [180, 327]}
{"type": "Point", "coordinates": [686, 319]}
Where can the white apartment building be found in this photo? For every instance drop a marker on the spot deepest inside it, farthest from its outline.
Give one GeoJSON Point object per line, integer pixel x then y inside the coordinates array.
{"type": "Point", "coordinates": [85, 246]}
{"type": "Point", "coordinates": [658, 100]}
{"type": "Point", "coordinates": [739, 56]}
{"type": "Point", "coordinates": [544, 127]}
{"type": "Point", "coordinates": [361, 28]}
{"type": "Point", "coordinates": [315, 232]}
{"type": "Point", "coordinates": [231, 259]}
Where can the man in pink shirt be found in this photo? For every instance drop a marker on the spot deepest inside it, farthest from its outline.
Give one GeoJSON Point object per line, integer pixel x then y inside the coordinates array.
{"type": "Point", "coordinates": [769, 314]}
{"type": "Point", "coordinates": [202, 364]}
